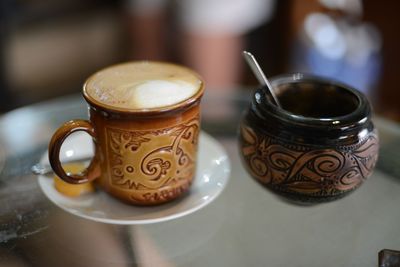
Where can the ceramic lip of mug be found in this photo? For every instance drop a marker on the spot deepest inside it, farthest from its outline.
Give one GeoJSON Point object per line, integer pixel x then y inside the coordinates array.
{"type": "Point", "coordinates": [144, 156]}
{"type": "Point", "coordinates": [147, 112]}
{"type": "Point", "coordinates": [303, 156]}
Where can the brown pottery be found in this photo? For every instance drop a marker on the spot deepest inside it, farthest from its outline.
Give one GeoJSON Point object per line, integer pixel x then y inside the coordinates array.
{"type": "Point", "coordinates": [319, 147]}
{"type": "Point", "coordinates": [143, 157]}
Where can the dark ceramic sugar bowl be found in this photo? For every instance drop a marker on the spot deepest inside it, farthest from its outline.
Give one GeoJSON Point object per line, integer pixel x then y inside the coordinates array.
{"type": "Point", "coordinates": [320, 146]}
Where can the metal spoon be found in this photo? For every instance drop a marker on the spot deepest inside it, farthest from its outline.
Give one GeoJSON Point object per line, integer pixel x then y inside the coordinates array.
{"type": "Point", "coordinates": [42, 169]}
{"type": "Point", "coordinates": [262, 79]}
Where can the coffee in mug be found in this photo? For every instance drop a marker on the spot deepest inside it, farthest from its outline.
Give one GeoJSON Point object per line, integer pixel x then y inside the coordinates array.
{"type": "Point", "coordinates": [142, 85]}
{"type": "Point", "coordinates": [144, 120]}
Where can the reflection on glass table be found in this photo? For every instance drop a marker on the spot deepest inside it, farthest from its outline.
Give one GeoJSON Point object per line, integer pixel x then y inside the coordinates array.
{"type": "Point", "coordinates": [246, 225]}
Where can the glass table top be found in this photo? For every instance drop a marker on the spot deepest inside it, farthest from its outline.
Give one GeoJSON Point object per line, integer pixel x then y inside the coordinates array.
{"type": "Point", "coordinates": [246, 225]}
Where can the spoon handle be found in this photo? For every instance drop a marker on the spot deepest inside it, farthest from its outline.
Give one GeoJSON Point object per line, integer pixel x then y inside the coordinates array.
{"type": "Point", "coordinates": [262, 79]}
{"type": "Point", "coordinates": [42, 169]}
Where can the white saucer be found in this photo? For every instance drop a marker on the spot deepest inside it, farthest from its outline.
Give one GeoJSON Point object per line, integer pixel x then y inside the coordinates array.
{"type": "Point", "coordinates": [212, 175]}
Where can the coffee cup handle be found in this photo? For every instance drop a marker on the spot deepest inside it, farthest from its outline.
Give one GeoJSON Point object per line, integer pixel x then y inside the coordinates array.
{"type": "Point", "coordinates": [87, 175]}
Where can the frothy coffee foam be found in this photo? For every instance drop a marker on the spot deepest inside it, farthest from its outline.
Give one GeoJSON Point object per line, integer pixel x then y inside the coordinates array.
{"type": "Point", "coordinates": [142, 85]}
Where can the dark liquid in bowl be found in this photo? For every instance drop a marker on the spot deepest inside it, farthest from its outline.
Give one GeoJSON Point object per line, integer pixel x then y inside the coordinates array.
{"type": "Point", "coordinates": [316, 100]}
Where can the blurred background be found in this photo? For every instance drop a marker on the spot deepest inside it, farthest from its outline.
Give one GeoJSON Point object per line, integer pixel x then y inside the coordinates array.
{"type": "Point", "coordinates": [48, 48]}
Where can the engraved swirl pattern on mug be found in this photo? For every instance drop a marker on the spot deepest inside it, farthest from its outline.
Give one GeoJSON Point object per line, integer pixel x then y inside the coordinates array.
{"type": "Point", "coordinates": [141, 166]}
{"type": "Point", "coordinates": [303, 169]}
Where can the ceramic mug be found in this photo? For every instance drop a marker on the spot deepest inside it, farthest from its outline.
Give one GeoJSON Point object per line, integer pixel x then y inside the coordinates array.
{"type": "Point", "coordinates": [142, 156]}
{"type": "Point", "coordinates": [320, 146]}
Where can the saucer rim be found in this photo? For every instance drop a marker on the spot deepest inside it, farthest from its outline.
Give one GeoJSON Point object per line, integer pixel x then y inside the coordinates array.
{"type": "Point", "coordinates": [44, 181]}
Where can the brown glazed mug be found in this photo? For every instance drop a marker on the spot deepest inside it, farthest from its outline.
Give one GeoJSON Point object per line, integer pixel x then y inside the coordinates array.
{"type": "Point", "coordinates": [320, 146]}
{"type": "Point", "coordinates": [142, 156]}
